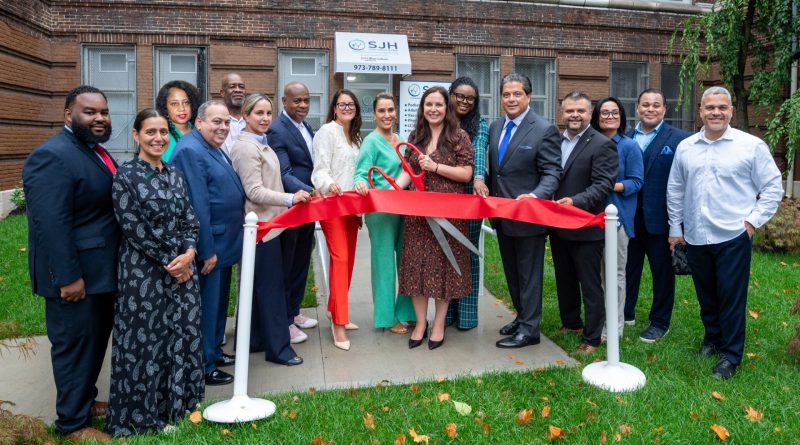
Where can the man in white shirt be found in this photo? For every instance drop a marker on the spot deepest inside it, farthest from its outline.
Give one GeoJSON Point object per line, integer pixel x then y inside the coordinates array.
{"type": "Point", "coordinates": [723, 185]}
{"type": "Point", "coordinates": [233, 92]}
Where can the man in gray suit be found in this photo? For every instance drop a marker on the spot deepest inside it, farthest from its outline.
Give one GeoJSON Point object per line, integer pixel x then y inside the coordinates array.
{"type": "Point", "coordinates": [524, 162]}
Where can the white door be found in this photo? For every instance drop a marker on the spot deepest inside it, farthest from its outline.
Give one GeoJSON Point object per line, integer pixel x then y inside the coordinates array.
{"type": "Point", "coordinates": [310, 68]}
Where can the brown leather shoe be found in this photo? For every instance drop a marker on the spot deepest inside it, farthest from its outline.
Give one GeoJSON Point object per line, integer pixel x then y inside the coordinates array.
{"type": "Point", "coordinates": [586, 348]}
{"type": "Point", "coordinates": [86, 434]}
{"type": "Point", "coordinates": [566, 330]}
{"type": "Point", "coordinates": [99, 409]}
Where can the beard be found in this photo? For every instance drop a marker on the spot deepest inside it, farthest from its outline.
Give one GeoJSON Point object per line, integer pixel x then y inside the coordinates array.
{"type": "Point", "coordinates": [85, 134]}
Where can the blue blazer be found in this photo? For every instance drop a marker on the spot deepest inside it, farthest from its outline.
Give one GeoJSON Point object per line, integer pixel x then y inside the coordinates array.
{"type": "Point", "coordinates": [72, 232]}
{"type": "Point", "coordinates": [657, 163]}
{"type": "Point", "coordinates": [631, 175]}
{"type": "Point", "coordinates": [293, 154]}
{"type": "Point", "coordinates": [217, 197]}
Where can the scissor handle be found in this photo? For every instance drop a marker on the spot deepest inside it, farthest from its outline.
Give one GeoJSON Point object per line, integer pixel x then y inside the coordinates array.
{"type": "Point", "coordinates": [417, 178]}
{"type": "Point", "coordinates": [388, 178]}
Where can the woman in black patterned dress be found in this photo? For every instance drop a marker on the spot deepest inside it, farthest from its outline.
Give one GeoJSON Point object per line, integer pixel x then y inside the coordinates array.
{"type": "Point", "coordinates": [156, 355]}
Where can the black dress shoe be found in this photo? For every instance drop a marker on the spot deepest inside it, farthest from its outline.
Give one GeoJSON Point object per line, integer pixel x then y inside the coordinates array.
{"type": "Point", "coordinates": [225, 360]}
{"type": "Point", "coordinates": [510, 329]}
{"type": "Point", "coordinates": [707, 350]}
{"type": "Point", "coordinates": [517, 341]}
{"type": "Point", "coordinates": [217, 377]}
{"type": "Point", "coordinates": [432, 344]}
{"type": "Point", "coordinates": [723, 369]}
{"type": "Point", "coordinates": [297, 360]}
{"type": "Point", "coordinates": [414, 343]}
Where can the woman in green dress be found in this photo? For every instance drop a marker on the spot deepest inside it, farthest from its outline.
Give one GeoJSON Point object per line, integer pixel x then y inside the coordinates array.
{"type": "Point", "coordinates": [178, 101]}
{"type": "Point", "coordinates": [385, 230]}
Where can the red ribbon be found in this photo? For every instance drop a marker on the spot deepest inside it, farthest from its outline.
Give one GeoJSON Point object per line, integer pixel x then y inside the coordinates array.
{"type": "Point", "coordinates": [447, 205]}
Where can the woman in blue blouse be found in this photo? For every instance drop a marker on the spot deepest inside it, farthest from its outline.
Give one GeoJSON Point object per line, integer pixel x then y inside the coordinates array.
{"type": "Point", "coordinates": [465, 98]}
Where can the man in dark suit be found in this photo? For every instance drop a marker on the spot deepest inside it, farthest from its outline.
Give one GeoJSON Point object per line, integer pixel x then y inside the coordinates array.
{"type": "Point", "coordinates": [291, 138]}
{"type": "Point", "coordinates": [218, 200]}
{"type": "Point", "coordinates": [524, 162]}
{"type": "Point", "coordinates": [73, 240]}
{"type": "Point", "coordinates": [590, 164]}
{"type": "Point", "coordinates": [658, 141]}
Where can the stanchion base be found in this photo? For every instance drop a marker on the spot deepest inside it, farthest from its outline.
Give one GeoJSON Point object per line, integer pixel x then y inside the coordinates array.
{"type": "Point", "coordinates": [615, 378]}
{"type": "Point", "coordinates": [239, 409]}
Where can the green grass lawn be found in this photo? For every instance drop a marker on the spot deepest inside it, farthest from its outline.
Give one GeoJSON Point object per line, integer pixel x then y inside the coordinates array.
{"type": "Point", "coordinates": [676, 405]}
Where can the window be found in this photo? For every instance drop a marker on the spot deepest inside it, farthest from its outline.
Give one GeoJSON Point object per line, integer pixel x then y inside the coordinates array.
{"type": "Point", "coordinates": [112, 69]}
{"type": "Point", "coordinates": [628, 79]}
{"type": "Point", "coordinates": [179, 63]}
{"type": "Point", "coordinates": [366, 87]}
{"type": "Point", "coordinates": [542, 73]}
{"type": "Point", "coordinates": [485, 71]}
{"type": "Point", "coordinates": [680, 116]}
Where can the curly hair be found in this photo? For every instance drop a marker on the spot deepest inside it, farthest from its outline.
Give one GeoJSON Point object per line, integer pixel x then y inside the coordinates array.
{"type": "Point", "coordinates": [421, 135]}
{"type": "Point", "coordinates": [77, 91]}
{"type": "Point", "coordinates": [191, 92]}
{"type": "Point", "coordinates": [472, 120]}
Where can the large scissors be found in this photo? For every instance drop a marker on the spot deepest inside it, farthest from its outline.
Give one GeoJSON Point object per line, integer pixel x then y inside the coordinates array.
{"type": "Point", "coordinates": [435, 223]}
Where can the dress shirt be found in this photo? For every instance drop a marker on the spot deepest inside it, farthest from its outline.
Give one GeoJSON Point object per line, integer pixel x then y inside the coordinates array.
{"type": "Point", "coordinates": [304, 132]}
{"type": "Point", "coordinates": [644, 139]}
{"type": "Point", "coordinates": [334, 158]}
{"type": "Point", "coordinates": [567, 145]}
{"type": "Point", "coordinates": [236, 127]}
{"type": "Point", "coordinates": [715, 186]}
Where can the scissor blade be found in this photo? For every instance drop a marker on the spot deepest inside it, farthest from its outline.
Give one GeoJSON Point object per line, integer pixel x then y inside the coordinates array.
{"type": "Point", "coordinates": [448, 252]}
{"type": "Point", "coordinates": [455, 233]}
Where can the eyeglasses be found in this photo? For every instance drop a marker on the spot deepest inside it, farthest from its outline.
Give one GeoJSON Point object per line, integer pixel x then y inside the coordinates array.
{"type": "Point", "coordinates": [606, 114]}
{"type": "Point", "coordinates": [346, 105]}
{"type": "Point", "coordinates": [462, 98]}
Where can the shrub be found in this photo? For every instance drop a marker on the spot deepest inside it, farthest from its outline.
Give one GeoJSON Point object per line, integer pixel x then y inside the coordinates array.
{"type": "Point", "coordinates": [18, 198]}
{"type": "Point", "coordinates": [782, 232]}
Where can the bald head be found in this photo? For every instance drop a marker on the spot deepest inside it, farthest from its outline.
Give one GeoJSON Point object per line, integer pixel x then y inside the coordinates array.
{"type": "Point", "coordinates": [233, 92]}
{"type": "Point", "coordinates": [296, 101]}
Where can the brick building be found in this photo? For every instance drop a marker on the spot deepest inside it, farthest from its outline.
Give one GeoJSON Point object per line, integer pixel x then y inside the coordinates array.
{"type": "Point", "coordinates": [129, 48]}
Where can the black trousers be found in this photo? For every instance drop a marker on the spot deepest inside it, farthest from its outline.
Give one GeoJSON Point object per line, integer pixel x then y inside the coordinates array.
{"type": "Point", "coordinates": [296, 246]}
{"type": "Point", "coordinates": [656, 248]}
{"type": "Point", "coordinates": [79, 335]}
{"type": "Point", "coordinates": [523, 262]}
{"type": "Point", "coordinates": [721, 273]}
{"type": "Point", "coordinates": [578, 278]}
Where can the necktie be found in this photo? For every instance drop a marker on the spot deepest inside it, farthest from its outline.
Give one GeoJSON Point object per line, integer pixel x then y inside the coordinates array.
{"type": "Point", "coordinates": [106, 158]}
{"type": "Point", "coordinates": [504, 143]}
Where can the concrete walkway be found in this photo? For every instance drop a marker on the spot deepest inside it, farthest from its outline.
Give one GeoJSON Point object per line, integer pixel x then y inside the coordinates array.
{"type": "Point", "coordinates": [375, 356]}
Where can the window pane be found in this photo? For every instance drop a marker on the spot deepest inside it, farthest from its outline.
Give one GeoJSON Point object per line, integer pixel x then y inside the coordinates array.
{"type": "Point", "coordinates": [542, 73]}
{"type": "Point", "coordinates": [681, 116]}
{"type": "Point", "coordinates": [485, 72]}
{"type": "Point", "coordinates": [628, 79]}
{"type": "Point", "coordinates": [113, 63]}
{"type": "Point", "coordinates": [182, 63]}
{"type": "Point", "coordinates": [303, 66]}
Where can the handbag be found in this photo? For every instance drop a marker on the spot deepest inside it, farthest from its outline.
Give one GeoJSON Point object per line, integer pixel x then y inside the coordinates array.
{"type": "Point", "coordinates": [680, 264]}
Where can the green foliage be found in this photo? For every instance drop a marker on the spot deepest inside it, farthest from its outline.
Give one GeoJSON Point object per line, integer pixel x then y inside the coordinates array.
{"type": "Point", "coordinates": [18, 198]}
{"type": "Point", "coordinates": [785, 123]}
{"type": "Point", "coordinates": [782, 232]}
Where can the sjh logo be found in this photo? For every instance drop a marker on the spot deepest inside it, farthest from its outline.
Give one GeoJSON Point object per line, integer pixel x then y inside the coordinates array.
{"type": "Point", "coordinates": [360, 45]}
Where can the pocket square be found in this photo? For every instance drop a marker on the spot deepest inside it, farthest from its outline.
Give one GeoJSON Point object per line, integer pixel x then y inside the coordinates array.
{"type": "Point", "coordinates": [666, 151]}
{"type": "Point", "coordinates": [525, 147]}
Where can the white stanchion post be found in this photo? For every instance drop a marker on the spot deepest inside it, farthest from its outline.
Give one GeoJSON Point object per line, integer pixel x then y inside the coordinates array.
{"type": "Point", "coordinates": [241, 408]}
{"type": "Point", "coordinates": [324, 255]}
{"type": "Point", "coordinates": [612, 375]}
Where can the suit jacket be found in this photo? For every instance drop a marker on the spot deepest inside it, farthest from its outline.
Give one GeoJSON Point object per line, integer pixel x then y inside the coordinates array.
{"type": "Point", "coordinates": [588, 178]}
{"type": "Point", "coordinates": [293, 154]}
{"type": "Point", "coordinates": [657, 160]}
{"type": "Point", "coordinates": [531, 164]}
{"type": "Point", "coordinates": [217, 198]}
{"type": "Point", "coordinates": [72, 232]}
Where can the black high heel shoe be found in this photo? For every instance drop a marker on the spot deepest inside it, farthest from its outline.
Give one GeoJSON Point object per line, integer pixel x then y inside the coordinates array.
{"type": "Point", "coordinates": [414, 343]}
{"type": "Point", "coordinates": [433, 344]}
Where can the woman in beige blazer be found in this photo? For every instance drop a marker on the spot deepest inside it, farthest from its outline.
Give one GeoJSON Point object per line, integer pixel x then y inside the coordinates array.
{"type": "Point", "coordinates": [258, 168]}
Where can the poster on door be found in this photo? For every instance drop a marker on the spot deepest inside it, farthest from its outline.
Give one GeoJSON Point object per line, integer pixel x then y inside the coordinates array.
{"type": "Point", "coordinates": [410, 94]}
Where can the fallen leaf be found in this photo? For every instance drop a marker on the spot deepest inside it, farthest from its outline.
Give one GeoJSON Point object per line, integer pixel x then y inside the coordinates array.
{"type": "Point", "coordinates": [400, 439]}
{"type": "Point", "coordinates": [512, 357]}
{"type": "Point", "coordinates": [462, 408]}
{"type": "Point", "coordinates": [753, 414]}
{"type": "Point", "coordinates": [319, 440]}
{"type": "Point", "coordinates": [524, 416]}
{"type": "Point", "coordinates": [560, 362]}
{"type": "Point", "coordinates": [694, 415]}
{"type": "Point", "coordinates": [603, 438]}
{"type": "Point", "coordinates": [450, 430]}
{"type": "Point", "coordinates": [555, 432]}
{"type": "Point", "coordinates": [418, 437]}
{"type": "Point", "coordinates": [22, 249]}
{"type": "Point", "coordinates": [784, 323]}
{"type": "Point", "coordinates": [659, 429]}
{"type": "Point", "coordinates": [617, 436]}
{"type": "Point", "coordinates": [550, 382]}
{"type": "Point", "coordinates": [717, 395]}
{"type": "Point", "coordinates": [544, 398]}
{"type": "Point", "coordinates": [685, 301]}
{"type": "Point", "coordinates": [441, 380]}
{"type": "Point", "coordinates": [2, 278]}
{"type": "Point", "coordinates": [519, 363]}
{"type": "Point", "coordinates": [196, 417]}
{"type": "Point", "coordinates": [590, 402]}
{"type": "Point", "coordinates": [620, 400]}
{"type": "Point", "coordinates": [752, 355]}
{"type": "Point", "coordinates": [783, 263]}
{"type": "Point", "coordinates": [625, 429]}
{"type": "Point", "coordinates": [478, 381]}
{"type": "Point", "coordinates": [651, 357]}
{"type": "Point", "coordinates": [292, 415]}
{"type": "Point", "coordinates": [753, 313]}
{"type": "Point", "coordinates": [486, 428]}
{"type": "Point", "coordinates": [312, 391]}
{"type": "Point", "coordinates": [314, 289]}
{"type": "Point", "coordinates": [414, 388]}
{"type": "Point", "coordinates": [545, 410]}
{"type": "Point", "coordinates": [721, 431]}
{"type": "Point", "coordinates": [369, 422]}
{"type": "Point", "coordinates": [442, 396]}
{"type": "Point", "coordinates": [227, 432]}
{"type": "Point", "coordinates": [777, 429]}
{"type": "Point", "coordinates": [254, 426]}
{"type": "Point", "coordinates": [385, 409]}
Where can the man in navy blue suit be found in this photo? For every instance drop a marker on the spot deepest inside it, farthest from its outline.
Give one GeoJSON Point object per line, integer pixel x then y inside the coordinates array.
{"type": "Point", "coordinates": [73, 240]}
{"type": "Point", "coordinates": [218, 200]}
{"type": "Point", "coordinates": [291, 138]}
{"type": "Point", "coordinates": [658, 141]}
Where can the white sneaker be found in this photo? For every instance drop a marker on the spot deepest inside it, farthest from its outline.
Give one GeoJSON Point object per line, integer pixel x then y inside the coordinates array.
{"type": "Point", "coordinates": [630, 322]}
{"type": "Point", "coordinates": [301, 321]}
{"type": "Point", "coordinates": [297, 336]}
